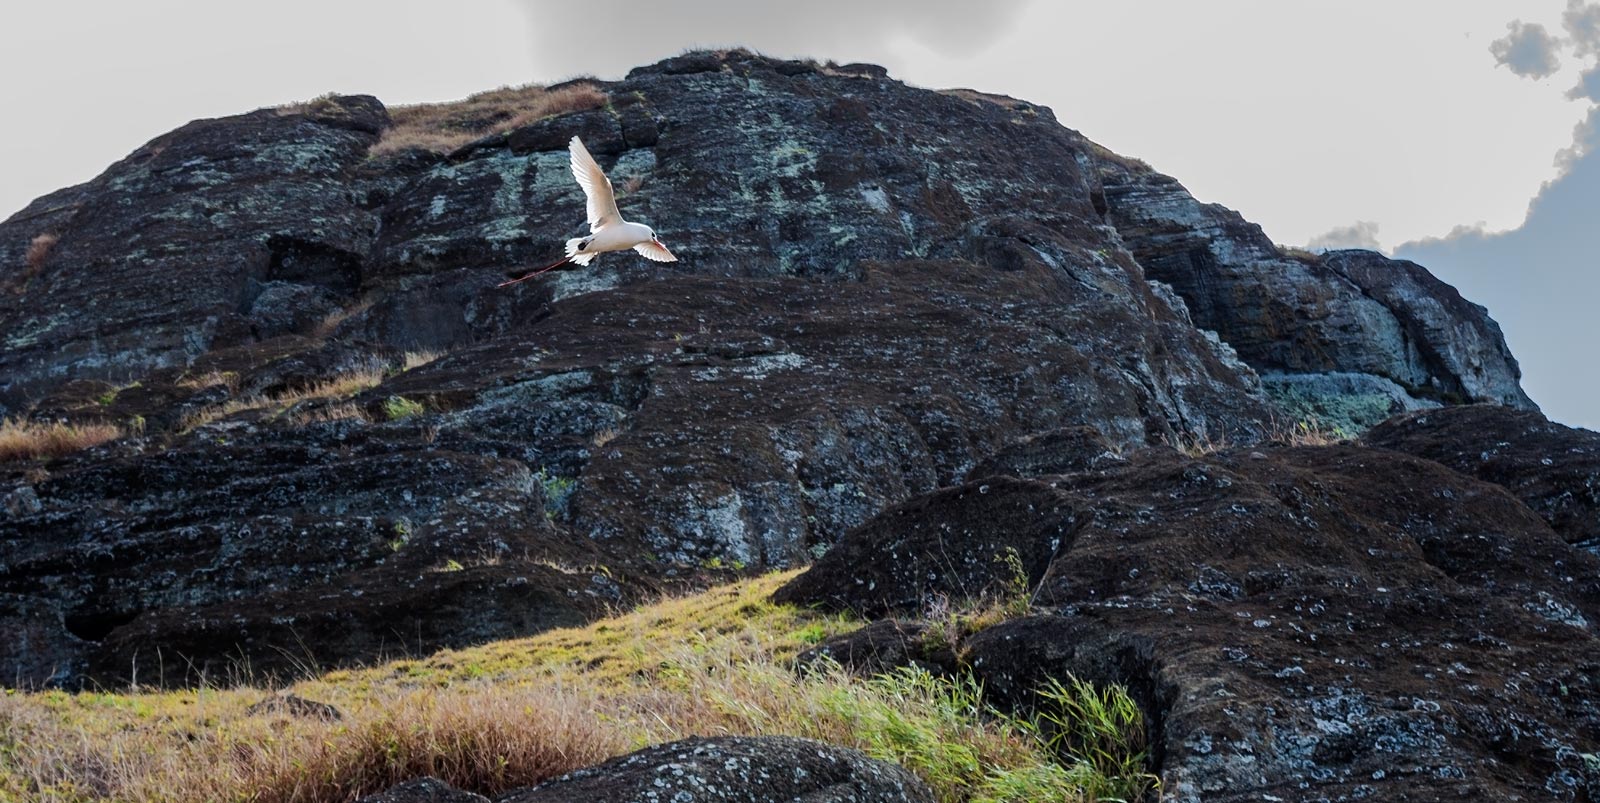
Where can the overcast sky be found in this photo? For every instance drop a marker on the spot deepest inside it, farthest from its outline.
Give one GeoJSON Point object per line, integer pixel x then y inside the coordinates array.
{"type": "Point", "coordinates": [1330, 122]}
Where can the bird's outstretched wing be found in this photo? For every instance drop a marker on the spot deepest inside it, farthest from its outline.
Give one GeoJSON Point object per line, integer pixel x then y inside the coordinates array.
{"type": "Point", "coordinates": [655, 252]}
{"type": "Point", "coordinates": [596, 187]}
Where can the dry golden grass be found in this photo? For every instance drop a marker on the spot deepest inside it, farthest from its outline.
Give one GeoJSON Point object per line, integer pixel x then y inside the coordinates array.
{"type": "Point", "coordinates": [517, 712]}
{"type": "Point", "coordinates": [210, 379]}
{"type": "Point", "coordinates": [1303, 433]}
{"type": "Point", "coordinates": [444, 127]}
{"type": "Point", "coordinates": [1202, 444]}
{"type": "Point", "coordinates": [1297, 253]}
{"type": "Point", "coordinates": [1308, 433]}
{"type": "Point", "coordinates": [341, 386]}
{"type": "Point", "coordinates": [335, 412]}
{"type": "Point", "coordinates": [39, 250]}
{"type": "Point", "coordinates": [317, 104]}
{"type": "Point", "coordinates": [417, 359]}
{"type": "Point", "coordinates": [29, 440]}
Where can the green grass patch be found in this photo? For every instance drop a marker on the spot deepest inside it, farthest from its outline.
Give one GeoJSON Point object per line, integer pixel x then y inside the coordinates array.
{"type": "Point", "coordinates": [399, 408]}
{"type": "Point", "coordinates": [516, 712]}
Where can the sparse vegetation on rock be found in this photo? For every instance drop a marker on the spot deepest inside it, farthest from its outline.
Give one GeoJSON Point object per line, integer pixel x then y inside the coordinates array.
{"type": "Point", "coordinates": [444, 127]}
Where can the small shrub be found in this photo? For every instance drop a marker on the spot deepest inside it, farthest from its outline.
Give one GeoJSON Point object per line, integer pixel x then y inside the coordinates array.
{"type": "Point", "coordinates": [1016, 595]}
{"type": "Point", "coordinates": [39, 249]}
{"type": "Point", "coordinates": [109, 397]}
{"type": "Point", "coordinates": [28, 440]}
{"type": "Point", "coordinates": [947, 623]}
{"type": "Point", "coordinates": [556, 491]}
{"type": "Point", "coordinates": [399, 408]}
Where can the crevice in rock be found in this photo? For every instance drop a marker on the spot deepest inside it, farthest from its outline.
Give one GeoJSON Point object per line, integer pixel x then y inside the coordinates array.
{"type": "Point", "coordinates": [300, 261]}
{"type": "Point", "coordinates": [96, 626]}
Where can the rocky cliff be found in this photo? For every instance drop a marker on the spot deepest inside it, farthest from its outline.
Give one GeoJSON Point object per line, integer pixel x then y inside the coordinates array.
{"type": "Point", "coordinates": [341, 441]}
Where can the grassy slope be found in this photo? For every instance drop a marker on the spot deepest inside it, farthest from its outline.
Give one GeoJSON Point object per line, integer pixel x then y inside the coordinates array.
{"type": "Point", "coordinates": [513, 713]}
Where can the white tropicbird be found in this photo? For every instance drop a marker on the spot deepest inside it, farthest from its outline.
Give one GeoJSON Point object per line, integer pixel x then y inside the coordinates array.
{"type": "Point", "coordinates": [607, 230]}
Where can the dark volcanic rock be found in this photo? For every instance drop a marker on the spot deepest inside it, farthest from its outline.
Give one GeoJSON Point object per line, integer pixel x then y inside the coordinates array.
{"type": "Point", "coordinates": [882, 291]}
{"type": "Point", "coordinates": [424, 790]}
{"type": "Point", "coordinates": [1328, 623]}
{"type": "Point", "coordinates": [954, 542]}
{"type": "Point", "coordinates": [295, 706]}
{"type": "Point", "coordinates": [341, 546]}
{"type": "Point", "coordinates": [758, 418]}
{"type": "Point", "coordinates": [1058, 451]}
{"type": "Point", "coordinates": [157, 256]}
{"type": "Point", "coordinates": [882, 646]}
{"type": "Point", "coordinates": [1553, 469]}
{"type": "Point", "coordinates": [768, 769]}
{"type": "Point", "coordinates": [1292, 313]}
{"type": "Point", "coordinates": [39, 648]}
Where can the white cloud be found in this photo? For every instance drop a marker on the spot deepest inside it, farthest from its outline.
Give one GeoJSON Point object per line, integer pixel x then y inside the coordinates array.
{"type": "Point", "coordinates": [1588, 87]}
{"type": "Point", "coordinates": [1360, 234]}
{"type": "Point", "coordinates": [1529, 50]}
{"type": "Point", "coordinates": [1582, 22]}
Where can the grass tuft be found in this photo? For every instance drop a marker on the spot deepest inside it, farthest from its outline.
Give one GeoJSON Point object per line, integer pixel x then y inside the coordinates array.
{"type": "Point", "coordinates": [443, 127]}
{"type": "Point", "coordinates": [1100, 729]}
{"type": "Point", "coordinates": [338, 387]}
{"type": "Point", "coordinates": [416, 359]}
{"type": "Point", "coordinates": [29, 440]}
{"type": "Point", "coordinates": [399, 408]}
{"type": "Point", "coordinates": [39, 249]}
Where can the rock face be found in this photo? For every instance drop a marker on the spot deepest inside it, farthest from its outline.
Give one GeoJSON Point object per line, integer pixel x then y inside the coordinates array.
{"type": "Point", "coordinates": [1330, 623]}
{"type": "Point", "coordinates": [1553, 469]}
{"type": "Point", "coordinates": [166, 255]}
{"type": "Point", "coordinates": [424, 790]}
{"type": "Point", "coordinates": [883, 290]}
{"type": "Point", "coordinates": [740, 770]}
{"type": "Point", "coordinates": [1409, 337]}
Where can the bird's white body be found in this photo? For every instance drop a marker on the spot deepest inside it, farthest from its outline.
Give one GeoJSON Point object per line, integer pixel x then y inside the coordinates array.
{"type": "Point", "coordinates": [607, 230]}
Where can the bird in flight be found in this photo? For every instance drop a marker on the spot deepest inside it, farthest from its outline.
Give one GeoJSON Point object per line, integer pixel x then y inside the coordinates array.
{"type": "Point", "coordinates": [607, 230]}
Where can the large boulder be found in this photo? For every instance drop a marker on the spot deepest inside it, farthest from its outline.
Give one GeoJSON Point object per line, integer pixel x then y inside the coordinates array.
{"type": "Point", "coordinates": [748, 769]}
{"type": "Point", "coordinates": [1306, 623]}
{"type": "Point", "coordinates": [1553, 469]}
{"type": "Point", "coordinates": [424, 790]}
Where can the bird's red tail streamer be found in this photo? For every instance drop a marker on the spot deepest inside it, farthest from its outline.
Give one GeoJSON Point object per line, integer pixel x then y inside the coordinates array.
{"type": "Point", "coordinates": [550, 267]}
